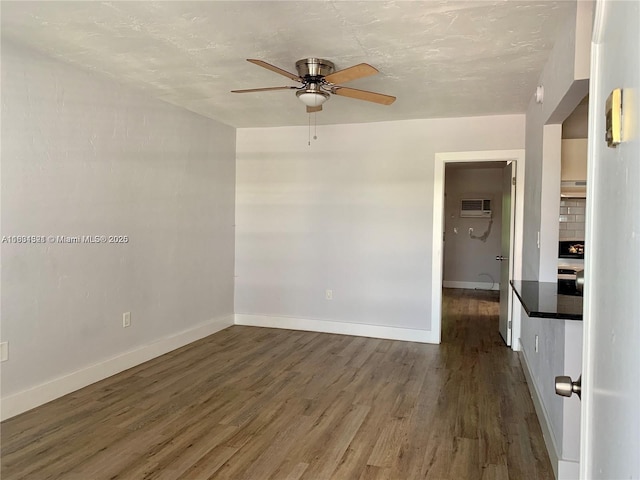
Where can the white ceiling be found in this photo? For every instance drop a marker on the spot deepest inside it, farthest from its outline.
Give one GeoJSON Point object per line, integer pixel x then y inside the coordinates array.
{"type": "Point", "coordinates": [439, 58]}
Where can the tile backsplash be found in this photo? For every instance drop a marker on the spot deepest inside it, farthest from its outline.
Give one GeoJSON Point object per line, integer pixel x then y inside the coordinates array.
{"type": "Point", "coordinates": [572, 218]}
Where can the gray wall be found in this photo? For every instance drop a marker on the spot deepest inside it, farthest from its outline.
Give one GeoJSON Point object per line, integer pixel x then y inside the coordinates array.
{"type": "Point", "coordinates": [353, 213]}
{"type": "Point", "coordinates": [469, 260]}
{"type": "Point", "coordinates": [565, 81]}
{"type": "Point", "coordinates": [82, 155]}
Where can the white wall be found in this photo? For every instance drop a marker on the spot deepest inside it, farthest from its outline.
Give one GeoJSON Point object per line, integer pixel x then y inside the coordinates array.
{"type": "Point", "coordinates": [468, 261]}
{"type": "Point", "coordinates": [550, 202]}
{"type": "Point", "coordinates": [610, 414]}
{"type": "Point", "coordinates": [351, 213]}
{"type": "Point", "coordinates": [82, 155]}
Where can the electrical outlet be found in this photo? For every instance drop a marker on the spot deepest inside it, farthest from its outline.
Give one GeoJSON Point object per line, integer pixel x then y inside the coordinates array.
{"type": "Point", "coordinates": [328, 294]}
{"type": "Point", "coordinates": [126, 319]}
{"type": "Point", "coordinates": [536, 343]}
{"type": "Point", "coordinates": [4, 351]}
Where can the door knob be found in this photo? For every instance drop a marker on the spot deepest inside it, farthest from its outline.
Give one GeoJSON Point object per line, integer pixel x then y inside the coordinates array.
{"type": "Point", "coordinates": [501, 258]}
{"type": "Point", "coordinates": [566, 387]}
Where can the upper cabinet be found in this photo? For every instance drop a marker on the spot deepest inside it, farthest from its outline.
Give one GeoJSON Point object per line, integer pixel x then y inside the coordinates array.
{"type": "Point", "coordinates": [574, 152]}
{"type": "Point", "coordinates": [574, 159]}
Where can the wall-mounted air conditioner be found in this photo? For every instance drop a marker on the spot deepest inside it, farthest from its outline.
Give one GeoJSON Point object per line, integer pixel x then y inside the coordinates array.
{"type": "Point", "coordinates": [475, 207]}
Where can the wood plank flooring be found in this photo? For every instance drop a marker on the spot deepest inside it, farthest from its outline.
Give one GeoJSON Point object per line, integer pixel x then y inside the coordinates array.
{"type": "Point", "coordinates": [265, 404]}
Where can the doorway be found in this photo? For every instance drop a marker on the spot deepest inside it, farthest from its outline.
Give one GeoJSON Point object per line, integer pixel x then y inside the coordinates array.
{"type": "Point", "coordinates": [514, 246]}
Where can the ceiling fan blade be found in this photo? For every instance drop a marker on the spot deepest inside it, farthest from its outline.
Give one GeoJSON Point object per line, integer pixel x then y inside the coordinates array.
{"type": "Point", "coordinates": [352, 73]}
{"type": "Point", "coordinates": [314, 109]}
{"type": "Point", "coordinates": [363, 95]}
{"type": "Point", "coordinates": [248, 90]}
{"type": "Point", "coordinates": [273, 68]}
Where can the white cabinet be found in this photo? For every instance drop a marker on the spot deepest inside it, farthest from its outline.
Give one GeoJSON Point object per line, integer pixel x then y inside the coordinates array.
{"type": "Point", "coordinates": [574, 159]}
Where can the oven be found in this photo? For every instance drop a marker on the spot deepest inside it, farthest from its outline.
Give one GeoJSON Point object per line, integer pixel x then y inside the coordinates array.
{"type": "Point", "coordinates": [567, 275]}
{"type": "Point", "coordinates": [573, 251]}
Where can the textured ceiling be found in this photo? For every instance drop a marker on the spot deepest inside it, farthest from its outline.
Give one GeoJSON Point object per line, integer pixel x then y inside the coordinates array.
{"type": "Point", "coordinates": [439, 58]}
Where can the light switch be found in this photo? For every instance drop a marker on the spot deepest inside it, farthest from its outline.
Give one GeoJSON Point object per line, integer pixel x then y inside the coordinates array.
{"type": "Point", "coordinates": [613, 118]}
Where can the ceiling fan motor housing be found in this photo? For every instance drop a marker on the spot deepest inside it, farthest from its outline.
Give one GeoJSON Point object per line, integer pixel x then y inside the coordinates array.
{"type": "Point", "coordinates": [314, 69]}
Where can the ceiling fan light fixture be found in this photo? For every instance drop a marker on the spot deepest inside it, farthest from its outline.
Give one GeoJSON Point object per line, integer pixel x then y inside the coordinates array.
{"type": "Point", "coordinates": [312, 98]}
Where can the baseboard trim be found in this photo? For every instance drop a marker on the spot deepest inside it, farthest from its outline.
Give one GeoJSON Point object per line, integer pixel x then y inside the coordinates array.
{"type": "Point", "coordinates": [568, 470]}
{"type": "Point", "coordinates": [543, 419]}
{"type": "Point", "coordinates": [20, 402]}
{"type": "Point", "coordinates": [341, 328]}
{"type": "Point", "coordinates": [470, 285]}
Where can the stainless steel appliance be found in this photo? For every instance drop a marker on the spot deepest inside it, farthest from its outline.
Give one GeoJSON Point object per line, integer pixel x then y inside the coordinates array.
{"type": "Point", "coordinates": [570, 275]}
{"type": "Point", "coordinates": [567, 280]}
{"type": "Point", "coordinates": [571, 249]}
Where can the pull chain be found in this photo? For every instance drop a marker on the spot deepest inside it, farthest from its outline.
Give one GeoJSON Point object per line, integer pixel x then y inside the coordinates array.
{"type": "Point", "coordinates": [315, 127]}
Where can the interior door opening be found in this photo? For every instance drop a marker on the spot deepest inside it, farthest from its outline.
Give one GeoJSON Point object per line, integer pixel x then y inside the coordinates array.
{"type": "Point", "coordinates": [492, 255]}
{"type": "Point", "coordinates": [477, 231]}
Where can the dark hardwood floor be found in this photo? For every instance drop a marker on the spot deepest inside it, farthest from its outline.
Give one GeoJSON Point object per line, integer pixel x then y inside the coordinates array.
{"type": "Point", "coordinates": [253, 403]}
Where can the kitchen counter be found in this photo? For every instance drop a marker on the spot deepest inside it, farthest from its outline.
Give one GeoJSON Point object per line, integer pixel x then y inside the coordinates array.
{"type": "Point", "coordinates": [541, 299]}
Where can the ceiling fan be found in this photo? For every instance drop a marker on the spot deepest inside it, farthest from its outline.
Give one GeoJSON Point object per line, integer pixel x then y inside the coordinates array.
{"type": "Point", "coordinates": [319, 80]}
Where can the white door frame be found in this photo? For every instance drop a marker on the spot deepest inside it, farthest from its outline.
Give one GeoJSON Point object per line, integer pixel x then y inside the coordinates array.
{"type": "Point", "coordinates": [441, 159]}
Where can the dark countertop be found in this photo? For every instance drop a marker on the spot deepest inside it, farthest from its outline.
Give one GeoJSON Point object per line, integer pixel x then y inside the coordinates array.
{"type": "Point", "coordinates": [541, 299]}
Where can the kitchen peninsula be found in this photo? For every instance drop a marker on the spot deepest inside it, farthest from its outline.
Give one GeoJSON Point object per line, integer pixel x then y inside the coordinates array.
{"type": "Point", "coordinates": [550, 345]}
{"type": "Point", "coordinates": [542, 300]}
